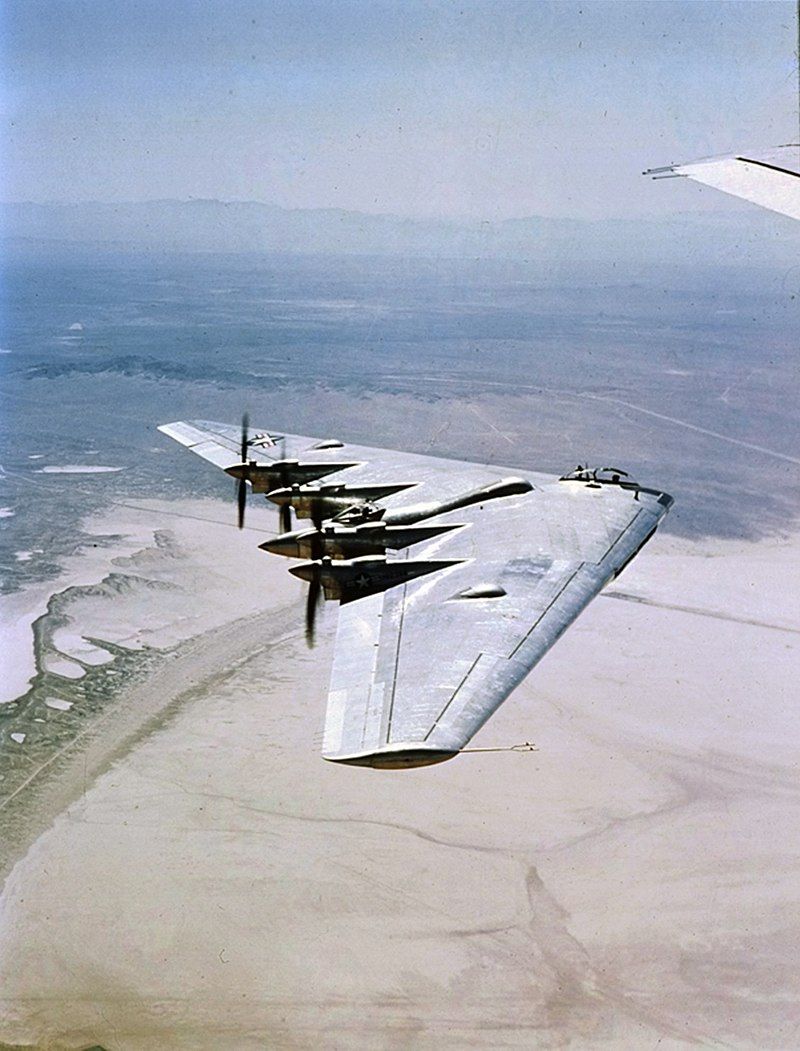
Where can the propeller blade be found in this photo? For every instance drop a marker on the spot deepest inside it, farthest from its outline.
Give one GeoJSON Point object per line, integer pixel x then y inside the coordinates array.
{"type": "Point", "coordinates": [241, 499]}
{"type": "Point", "coordinates": [282, 472]}
{"type": "Point", "coordinates": [285, 518]}
{"type": "Point", "coordinates": [312, 601]}
{"type": "Point", "coordinates": [241, 485]}
{"type": "Point", "coordinates": [317, 513]}
{"type": "Point", "coordinates": [317, 546]}
{"type": "Point", "coordinates": [245, 436]}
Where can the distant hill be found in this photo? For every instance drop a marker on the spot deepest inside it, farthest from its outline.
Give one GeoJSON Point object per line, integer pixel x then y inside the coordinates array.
{"type": "Point", "coordinates": [741, 236]}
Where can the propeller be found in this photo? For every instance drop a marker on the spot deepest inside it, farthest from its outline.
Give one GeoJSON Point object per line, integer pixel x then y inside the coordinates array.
{"type": "Point", "coordinates": [284, 480]}
{"type": "Point", "coordinates": [241, 484]}
{"type": "Point", "coordinates": [317, 556]}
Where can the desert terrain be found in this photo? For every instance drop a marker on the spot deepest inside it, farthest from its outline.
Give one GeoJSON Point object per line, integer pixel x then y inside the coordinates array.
{"type": "Point", "coordinates": [190, 874]}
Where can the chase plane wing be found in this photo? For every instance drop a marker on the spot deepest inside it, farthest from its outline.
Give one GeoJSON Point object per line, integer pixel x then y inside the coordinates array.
{"type": "Point", "coordinates": [770, 178]}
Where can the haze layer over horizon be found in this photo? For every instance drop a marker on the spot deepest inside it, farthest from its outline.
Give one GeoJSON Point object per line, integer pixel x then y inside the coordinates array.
{"type": "Point", "coordinates": [434, 110]}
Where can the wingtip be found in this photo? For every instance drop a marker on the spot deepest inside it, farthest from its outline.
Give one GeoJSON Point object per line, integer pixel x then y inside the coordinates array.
{"type": "Point", "coordinates": [394, 757]}
{"type": "Point", "coordinates": [180, 431]}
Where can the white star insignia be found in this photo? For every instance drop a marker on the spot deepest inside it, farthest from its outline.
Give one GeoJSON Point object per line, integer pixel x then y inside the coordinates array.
{"type": "Point", "coordinates": [264, 440]}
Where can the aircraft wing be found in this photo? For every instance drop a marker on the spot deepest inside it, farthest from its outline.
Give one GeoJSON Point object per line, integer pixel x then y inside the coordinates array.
{"type": "Point", "coordinates": [418, 669]}
{"type": "Point", "coordinates": [425, 655]}
{"type": "Point", "coordinates": [770, 178]}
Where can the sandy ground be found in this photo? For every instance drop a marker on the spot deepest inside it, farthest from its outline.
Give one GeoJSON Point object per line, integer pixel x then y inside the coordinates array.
{"type": "Point", "coordinates": [200, 534]}
{"type": "Point", "coordinates": [633, 883]}
{"type": "Point", "coordinates": [119, 644]}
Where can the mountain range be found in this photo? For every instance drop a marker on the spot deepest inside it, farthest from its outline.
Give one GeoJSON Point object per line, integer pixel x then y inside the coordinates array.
{"type": "Point", "coordinates": [728, 238]}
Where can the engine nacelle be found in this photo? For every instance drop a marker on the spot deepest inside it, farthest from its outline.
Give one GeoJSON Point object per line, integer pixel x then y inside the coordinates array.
{"type": "Point", "coordinates": [358, 577]}
{"type": "Point", "coordinates": [264, 477]}
{"type": "Point", "coordinates": [309, 500]}
{"type": "Point", "coordinates": [334, 541]}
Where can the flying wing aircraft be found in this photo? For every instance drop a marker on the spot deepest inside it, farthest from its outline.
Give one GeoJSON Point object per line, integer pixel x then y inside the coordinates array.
{"type": "Point", "coordinates": [770, 178]}
{"type": "Point", "coordinates": [453, 579]}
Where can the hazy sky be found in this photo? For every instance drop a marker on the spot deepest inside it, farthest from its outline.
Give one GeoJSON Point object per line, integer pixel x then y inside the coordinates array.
{"type": "Point", "coordinates": [488, 109]}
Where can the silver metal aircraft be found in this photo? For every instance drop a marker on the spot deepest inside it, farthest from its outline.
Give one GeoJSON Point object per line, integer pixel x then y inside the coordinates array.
{"type": "Point", "coordinates": [453, 579]}
{"type": "Point", "coordinates": [770, 178]}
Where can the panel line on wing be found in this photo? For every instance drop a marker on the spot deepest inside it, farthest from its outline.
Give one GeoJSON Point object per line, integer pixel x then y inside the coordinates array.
{"type": "Point", "coordinates": [546, 610]}
{"type": "Point", "coordinates": [376, 689]}
{"type": "Point", "coordinates": [772, 167]}
{"type": "Point", "coordinates": [441, 714]}
{"type": "Point", "coordinates": [333, 732]}
{"type": "Point", "coordinates": [396, 662]}
{"type": "Point", "coordinates": [622, 535]}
